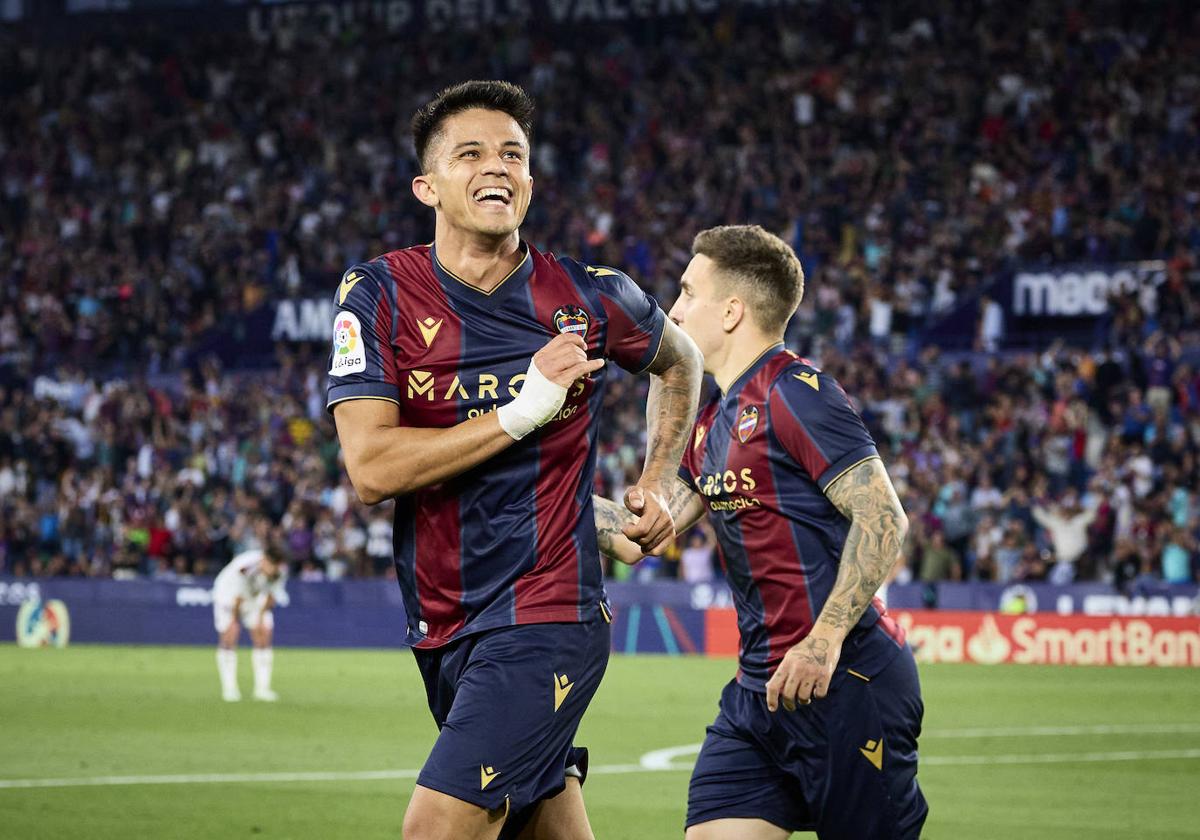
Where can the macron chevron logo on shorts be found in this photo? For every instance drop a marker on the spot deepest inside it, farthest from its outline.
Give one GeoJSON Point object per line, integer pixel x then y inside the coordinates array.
{"type": "Point", "coordinates": [486, 774]}
{"type": "Point", "coordinates": [873, 751]}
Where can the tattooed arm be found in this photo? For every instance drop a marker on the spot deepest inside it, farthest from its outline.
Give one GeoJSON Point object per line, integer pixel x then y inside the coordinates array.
{"type": "Point", "coordinates": [670, 411]}
{"type": "Point", "coordinates": [865, 496]}
{"type": "Point", "coordinates": [613, 522]}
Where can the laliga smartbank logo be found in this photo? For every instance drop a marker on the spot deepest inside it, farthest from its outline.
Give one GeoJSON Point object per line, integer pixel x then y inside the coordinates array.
{"type": "Point", "coordinates": [424, 385]}
{"type": "Point", "coordinates": [988, 646]}
{"type": "Point", "coordinates": [1053, 639]}
{"type": "Point", "coordinates": [43, 624]}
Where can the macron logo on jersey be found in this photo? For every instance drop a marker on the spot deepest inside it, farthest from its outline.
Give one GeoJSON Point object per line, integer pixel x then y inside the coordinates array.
{"type": "Point", "coordinates": [349, 351]}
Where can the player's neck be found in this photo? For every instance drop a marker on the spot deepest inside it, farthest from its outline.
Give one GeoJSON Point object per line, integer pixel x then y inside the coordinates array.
{"type": "Point", "coordinates": [741, 352]}
{"type": "Point", "coordinates": [481, 261]}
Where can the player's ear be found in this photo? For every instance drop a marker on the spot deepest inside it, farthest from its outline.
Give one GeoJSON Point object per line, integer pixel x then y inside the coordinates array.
{"type": "Point", "coordinates": [735, 311]}
{"type": "Point", "coordinates": [425, 191]}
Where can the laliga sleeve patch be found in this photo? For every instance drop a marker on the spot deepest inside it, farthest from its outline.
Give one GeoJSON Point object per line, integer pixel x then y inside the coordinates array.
{"type": "Point", "coordinates": [349, 352]}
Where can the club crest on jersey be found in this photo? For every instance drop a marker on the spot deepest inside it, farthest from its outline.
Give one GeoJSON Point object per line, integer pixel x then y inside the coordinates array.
{"type": "Point", "coordinates": [747, 423]}
{"type": "Point", "coordinates": [349, 354]}
{"type": "Point", "coordinates": [572, 319]}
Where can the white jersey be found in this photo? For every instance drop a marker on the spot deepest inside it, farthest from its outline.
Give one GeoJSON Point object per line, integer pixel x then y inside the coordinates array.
{"type": "Point", "coordinates": [243, 578]}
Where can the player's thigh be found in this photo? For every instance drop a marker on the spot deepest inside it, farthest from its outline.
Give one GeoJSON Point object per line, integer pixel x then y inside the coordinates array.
{"type": "Point", "coordinates": [226, 625]}
{"type": "Point", "coordinates": [872, 776]}
{"type": "Point", "coordinates": [515, 709]}
{"type": "Point", "coordinates": [737, 829]}
{"type": "Point", "coordinates": [561, 817]}
{"type": "Point", "coordinates": [433, 815]}
{"type": "Point", "coordinates": [736, 781]}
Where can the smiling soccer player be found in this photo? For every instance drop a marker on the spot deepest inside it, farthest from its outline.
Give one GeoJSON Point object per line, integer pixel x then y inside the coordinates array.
{"type": "Point", "coordinates": [466, 381]}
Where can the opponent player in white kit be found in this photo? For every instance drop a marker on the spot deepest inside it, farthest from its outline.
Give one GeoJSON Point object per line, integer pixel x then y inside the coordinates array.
{"type": "Point", "coordinates": [246, 591]}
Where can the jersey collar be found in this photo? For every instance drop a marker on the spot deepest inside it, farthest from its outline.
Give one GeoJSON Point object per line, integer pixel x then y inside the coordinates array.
{"type": "Point", "coordinates": [753, 368]}
{"type": "Point", "coordinates": [463, 290]}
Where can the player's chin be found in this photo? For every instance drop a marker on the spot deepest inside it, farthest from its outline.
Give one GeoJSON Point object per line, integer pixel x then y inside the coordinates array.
{"type": "Point", "coordinates": [497, 227]}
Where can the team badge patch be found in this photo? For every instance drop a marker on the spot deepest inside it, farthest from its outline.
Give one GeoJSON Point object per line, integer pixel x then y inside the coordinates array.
{"type": "Point", "coordinates": [747, 423]}
{"type": "Point", "coordinates": [572, 319]}
{"type": "Point", "coordinates": [349, 353]}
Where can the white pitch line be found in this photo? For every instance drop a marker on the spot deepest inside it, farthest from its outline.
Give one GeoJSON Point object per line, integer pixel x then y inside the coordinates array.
{"type": "Point", "coordinates": [211, 778]}
{"type": "Point", "coordinates": [659, 761]}
{"type": "Point", "coordinates": [1041, 731]}
{"type": "Point", "coordinates": [1058, 758]}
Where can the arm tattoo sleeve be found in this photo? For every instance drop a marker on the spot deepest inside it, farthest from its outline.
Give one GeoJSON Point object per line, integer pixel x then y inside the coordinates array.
{"type": "Point", "coordinates": [865, 496]}
{"type": "Point", "coordinates": [610, 518]}
{"type": "Point", "coordinates": [681, 495]}
{"type": "Point", "coordinates": [672, 402]}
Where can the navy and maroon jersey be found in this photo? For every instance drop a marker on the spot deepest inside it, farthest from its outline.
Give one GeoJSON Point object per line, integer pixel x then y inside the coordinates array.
{"type": "Point", "coordinates": [512, 541]}
{"type": "Point", "coordinates": [762, 455]}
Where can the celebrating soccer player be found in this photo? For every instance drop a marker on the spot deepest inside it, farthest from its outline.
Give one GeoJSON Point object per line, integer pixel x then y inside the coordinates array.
{"type": "Point", "coordinates": [466, 382]}
{"type": "Point", "coordinates": [818, 731]}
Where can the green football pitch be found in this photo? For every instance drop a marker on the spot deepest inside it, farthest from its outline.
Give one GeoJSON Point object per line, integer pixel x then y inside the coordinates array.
{"type": "Point", "coordinates": [118, 742]}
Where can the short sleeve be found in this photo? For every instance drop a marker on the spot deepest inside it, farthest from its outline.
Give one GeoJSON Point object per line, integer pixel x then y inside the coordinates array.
{"type": "Point", "coordinates": [635, 322]}
{"type": "Point", "coordinates": [813, 421]}
{"type": "Point", "coordinates": [279, 590]}
{"type": "Point", "coordinates": [361, 360]}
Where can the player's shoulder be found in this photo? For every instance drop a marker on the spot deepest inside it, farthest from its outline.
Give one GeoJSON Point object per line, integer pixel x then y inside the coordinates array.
{"type": "Point", "coordinates": [365, 283]}
{"type": "Point", "coordinates": [803, 385]}
{"type": "Point", "coordinates": [603, 277]}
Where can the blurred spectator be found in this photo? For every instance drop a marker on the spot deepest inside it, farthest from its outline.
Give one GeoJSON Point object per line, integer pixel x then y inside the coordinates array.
{"type": "Point", "coordinates": [696, 561]}
{"type": "Point", "coordinates": [1067, 523]}
{"type": "Point", "coordinates": [940, 561]}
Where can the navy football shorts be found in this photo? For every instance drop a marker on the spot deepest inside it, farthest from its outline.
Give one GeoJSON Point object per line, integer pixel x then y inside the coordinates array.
{"type": "Point", "coordinates": [508, 703]}
{"type": "Point", "coordinates": [844, 766]}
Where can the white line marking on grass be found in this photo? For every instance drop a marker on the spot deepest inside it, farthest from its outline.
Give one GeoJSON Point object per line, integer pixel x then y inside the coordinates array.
{"type": "Point", "coordinates": [1057, 758]}
{"type": "Point", "coordinates": [211, 778]}
{"type": "Point", "coordinates": [1038, 731]}
{"type": "Point", "coordinates": [664, 760]}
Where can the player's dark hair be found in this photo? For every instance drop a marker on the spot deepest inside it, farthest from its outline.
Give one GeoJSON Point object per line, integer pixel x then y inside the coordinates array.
{"type": "Point", "coordinates": [490, 95]}
{"type": "Point", "coordinates": [765, 271]}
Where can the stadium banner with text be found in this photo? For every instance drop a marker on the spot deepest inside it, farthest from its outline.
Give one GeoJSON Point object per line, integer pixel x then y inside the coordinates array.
{"type": "Point", "coordinates": [1071, 301]}
{"type": "Point", "coordinates": [665, 617]}
{"type": "Point", "coordinates": [1044, 303]}
{"type": "Point", "coordinates": [991, 638]}
{"type": "Point", "coordinates": [338, 18]}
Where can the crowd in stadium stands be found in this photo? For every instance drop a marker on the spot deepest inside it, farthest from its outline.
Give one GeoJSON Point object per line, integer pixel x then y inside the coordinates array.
{"type": "Point", "coordinates": [152, 191]}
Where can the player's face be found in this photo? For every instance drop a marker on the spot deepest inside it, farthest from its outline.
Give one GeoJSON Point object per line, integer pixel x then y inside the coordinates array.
{"type": "Point", "coordinates": [479, 176]}
{"type": "Point", "coordinates": [702, 308]}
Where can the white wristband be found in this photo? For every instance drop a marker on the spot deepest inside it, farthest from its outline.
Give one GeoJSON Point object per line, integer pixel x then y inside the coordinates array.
{"type": "Point", "coordinates": [539, 400]}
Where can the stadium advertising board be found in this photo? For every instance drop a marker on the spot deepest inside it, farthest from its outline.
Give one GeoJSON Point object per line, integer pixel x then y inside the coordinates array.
{"type": "Point", "coordinates": [1072, 298]}
{"type": "Point", "coordinates": [1044, 303]}
{"type": "Point", "coordinates": [991, 638]}
{"type": "Point", "coordinates": [1081, 598]}
{"type": "Point", "coordinates": [668, 617]}
{"type": "Point", "coordinates": [264, 18]}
